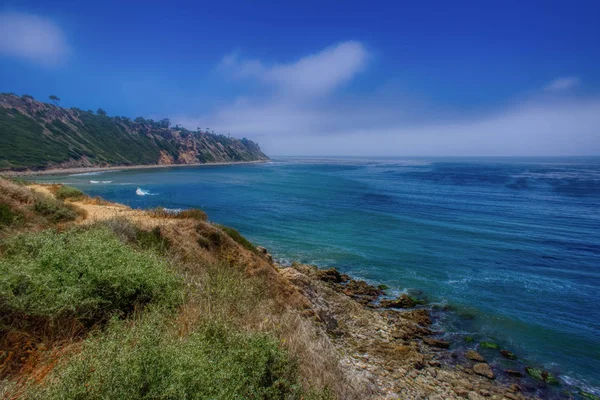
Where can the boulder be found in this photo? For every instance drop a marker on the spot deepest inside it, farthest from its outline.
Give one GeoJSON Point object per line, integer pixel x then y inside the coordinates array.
{"type": "Point", "coordinates": [484, 370]}
{"type": "Point", "coordinates": [514, 373]}
{"type": "Point", "coordinates": [404, 301]}
{"type": "Point", "coordinates": [508, 354]}
{"type": "Point", "coordinates": [261, 250]}
{"type": "Point", "coordinates": [331, 275]}
{"type": "Point", "coordinates": [489, 345]}
{"type": "Point", "coordinates": [442, 344]}
{"type": "Point", "coordinates": [362, 290]}
{"type": "Point", "coordinates": [588, 396]}
{"type": "Point", "coordinates": [542, 375]}
{"type": "Point", "coordinates": [420, 316]}
{"type": "Point", "coordinates": [473, 355]}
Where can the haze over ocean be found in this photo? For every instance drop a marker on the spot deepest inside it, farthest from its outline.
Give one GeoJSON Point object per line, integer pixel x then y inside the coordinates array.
{"type": "Point", "coordinates": [510, 244]}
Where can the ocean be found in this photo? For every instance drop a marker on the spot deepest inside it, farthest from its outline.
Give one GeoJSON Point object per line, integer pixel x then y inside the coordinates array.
{"type": "Point", "coordinates": [509, 246]}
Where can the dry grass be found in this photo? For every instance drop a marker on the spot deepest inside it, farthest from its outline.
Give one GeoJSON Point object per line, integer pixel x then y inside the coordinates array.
{"type": "Point", "coordinates": [225, 282]}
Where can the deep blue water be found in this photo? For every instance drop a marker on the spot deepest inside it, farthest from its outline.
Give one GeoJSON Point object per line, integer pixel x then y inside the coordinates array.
{"type": "Point", "coordinates": [513, 245]}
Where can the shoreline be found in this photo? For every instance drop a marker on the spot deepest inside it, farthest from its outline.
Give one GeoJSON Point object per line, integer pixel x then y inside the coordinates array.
{"type": "Point", "coordinates": [83, 170]}
{"type": "Point", "coordinates": [390, 327]}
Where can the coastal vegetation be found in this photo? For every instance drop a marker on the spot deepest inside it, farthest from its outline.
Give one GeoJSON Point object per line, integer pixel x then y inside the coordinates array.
{"type": "Point", "coordinates": [133, 308]}
{"type": "Point", "coordinates": [37, 135]}
{"type": "Point", "coordinates": [112, 302]}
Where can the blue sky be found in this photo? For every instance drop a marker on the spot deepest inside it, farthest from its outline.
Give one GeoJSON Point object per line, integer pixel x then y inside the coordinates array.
{"type": "Point", "coordinates": [325, 78]}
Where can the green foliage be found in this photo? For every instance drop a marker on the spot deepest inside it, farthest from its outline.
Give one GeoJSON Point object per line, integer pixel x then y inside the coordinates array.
{"type": "Point", "coordinates": [68, 192]}
{"type": "Point", "coordinates": [54, 210]}
{"type": "Point", "coordinates": [151, 240]}
{"type": "Point", "coordinates": [53, 135]}
{"type": "Point", "coordinates": [469, 339]}
{"type": "Point", "coordinates": [82, 274]}
{"type": "Point", "coordinates": [193, 213]}
{"type": "Point", "coordinates": [489, 345]}
{"type": "Point", "coordinates": [147, 360]}
{"type": "Point", "coordinates": [242, 241]}
{"type": "Point", "coordinates": [204, 242]}
{"type": "Point", "coordinates": [7, 216]}
{"type": "Point", "coordinates": [542, 375]}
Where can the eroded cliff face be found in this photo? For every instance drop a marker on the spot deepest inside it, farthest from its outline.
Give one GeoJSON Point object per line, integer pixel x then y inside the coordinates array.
{"type": "Point", "coordinates": [37, 135]}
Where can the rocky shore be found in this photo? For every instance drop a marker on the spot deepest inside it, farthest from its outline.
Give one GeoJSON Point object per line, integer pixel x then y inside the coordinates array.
{"type": "Point", "coordinates": [391, 347]}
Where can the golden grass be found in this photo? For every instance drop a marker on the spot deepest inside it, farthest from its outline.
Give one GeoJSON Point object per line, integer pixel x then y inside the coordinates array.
{"type": "Point", "coordinates": [225, 282]}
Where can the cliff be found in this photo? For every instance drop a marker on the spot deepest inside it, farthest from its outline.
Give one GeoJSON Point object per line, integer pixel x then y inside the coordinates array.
{"type": "Point", "coordinates": [103, 301]}
{"type": "Point", "coordinates": [36, 135]}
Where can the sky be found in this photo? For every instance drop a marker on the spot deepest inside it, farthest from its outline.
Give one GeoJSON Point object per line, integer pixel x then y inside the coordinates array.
{"type": "Point", "coordinates": [398, 78]}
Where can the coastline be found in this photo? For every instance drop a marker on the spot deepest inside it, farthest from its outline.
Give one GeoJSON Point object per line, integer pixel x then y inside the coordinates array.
{"type": "Point", "coordinates": [391, 345]}
{"type": "Point", "coordinates": [82, 170]}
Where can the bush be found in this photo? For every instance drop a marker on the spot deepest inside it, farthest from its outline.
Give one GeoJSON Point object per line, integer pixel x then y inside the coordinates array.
{"type": "Point", "coordinates": [147, 360]}
{"type": "Point", "coordinates": [235, 235]}
{"type": "Point", "coordinates": [7, 216]}
{"type": "Point", "coordinates": [128, 233]}
{"type": "Point", "coordinates": [54, 210]}
{"type": "Point", "coordinates": [152, 240]}
{"type": "Point", "coordinates": [68, 192]}
{"type": "Point", "coordinates": [83, 274]}
{"type": "Point", "coordinates": [193, 213]}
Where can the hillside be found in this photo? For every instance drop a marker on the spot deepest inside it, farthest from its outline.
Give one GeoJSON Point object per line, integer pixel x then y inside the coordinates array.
{"type": "Point", "coordinates": [36, 135]}
{"type": "Point", "coordinates": [99, 300]}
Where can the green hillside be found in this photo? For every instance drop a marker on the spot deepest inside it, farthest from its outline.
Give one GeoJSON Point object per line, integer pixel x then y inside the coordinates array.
{"type": "Point", "coordinates": [36, 135]}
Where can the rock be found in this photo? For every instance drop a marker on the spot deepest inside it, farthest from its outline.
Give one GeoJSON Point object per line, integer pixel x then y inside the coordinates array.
{"type": "Point", "coordinates": [331, 323]}
{"type": "Point", "coordinates": [442, 344]}
{"type": "Point", "coordinates": [330, 275]}
{"type": "Point", "coordinates": [542, 375]}
{"type": "Point", "coordinates": [361, 291]}
{"type": "Point", "coordinates": [421, 316]}
{"type": "Point", "coordinates": [589, 396]}
{"type": "Point", "coordinates": [404, 301]}
{"type": "Point", "coordinates": [473, 355]}
{"type": "Point", "coordinates": [514, 373]}
{"type": "Point", "coordinates": [489, 345]}
{"type": "Point", "coordinates": [508, 354]}
{"type": "Point", "coordinates": [474, 396]}
{"type": "Point", "coordinates": [514, 388]}
{"type": "Point", "coordinates": [261, 250]}
{"type": "Point", "coordinates": [484, 370]}
{"type": "Point", "coordinates": [436, 397]}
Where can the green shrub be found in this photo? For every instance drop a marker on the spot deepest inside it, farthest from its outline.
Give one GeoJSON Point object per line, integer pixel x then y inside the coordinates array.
{"type": "Point", "coordinates": [7, 216]}
{"type": "Point", "coordinates": [152, 240]}
{"type": "Point", "coordinates": [147, 360]}
{"type": "Point", "coordinates": [54, 210]}
{"type": "Point", "coordinates": [242, 241]}
{"type": "Point", "coordinates": [203, 242]}
{"type": "Point", "coordinates": [82, 274]}
{"type": "Point", "coordinates": [193, 213]}
{"type": "Point", "coordinates": [68, 192]}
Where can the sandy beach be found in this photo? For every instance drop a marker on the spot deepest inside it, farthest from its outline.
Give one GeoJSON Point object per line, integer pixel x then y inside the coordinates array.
{"type": "Point", "coordinates": [81, 170]}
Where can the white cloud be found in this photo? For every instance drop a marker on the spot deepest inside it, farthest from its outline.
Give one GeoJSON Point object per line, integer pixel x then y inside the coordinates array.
{"type": "Point", "coordinates": [33, 38]}
{"type": "Point", "coordinates": [315, 74]}
{"type": "Point", "coordinates": [305, 115]}
{"type": "Point", "coordinates": [563, 84]}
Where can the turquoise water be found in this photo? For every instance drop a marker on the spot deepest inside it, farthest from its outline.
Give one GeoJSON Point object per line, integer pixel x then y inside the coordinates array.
{"type": "Point", "coordinates": [512, 245]}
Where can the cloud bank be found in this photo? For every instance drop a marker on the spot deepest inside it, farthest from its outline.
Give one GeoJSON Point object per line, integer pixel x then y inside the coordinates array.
{"type": "Point", "coordinates": [33, 38]}
{"type": "Point", "coordinates": [297, 110]}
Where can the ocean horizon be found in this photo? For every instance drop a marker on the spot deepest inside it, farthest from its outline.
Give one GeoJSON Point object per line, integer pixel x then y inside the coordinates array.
{"type": "Point", "coordinates": [506, 248]}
